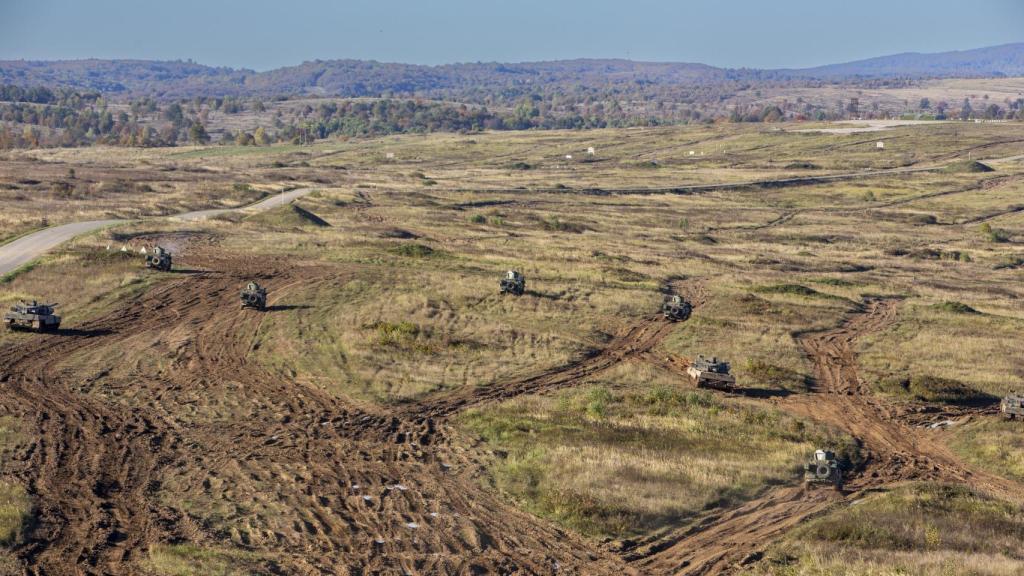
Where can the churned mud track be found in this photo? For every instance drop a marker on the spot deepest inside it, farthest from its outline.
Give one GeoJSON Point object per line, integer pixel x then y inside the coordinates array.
{"type": "Point", "coordinates": [894, 452]}
{"type": "Point", "coordinates": [633, 342]}
{"type": "Point", "coordinates": [630, 342]}
{"type": "Point", "coordinates": [893, 449]}
{"type": "Point", "coordinates": [150, 426]}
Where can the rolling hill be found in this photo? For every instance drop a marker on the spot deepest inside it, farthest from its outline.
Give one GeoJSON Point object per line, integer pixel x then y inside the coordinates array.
{"type": "Point", "coordinates": [355, 78]}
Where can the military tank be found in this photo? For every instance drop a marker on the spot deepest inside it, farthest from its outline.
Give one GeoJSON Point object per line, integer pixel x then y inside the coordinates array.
{"type": "Point", "coordinates": [32, 316]}
{"type": "Point", "coordinates": [1012, 406]}
{"type": "Point", "coordinates": [676, 309]}
{"type": "Point", "coordinates": [823, 468]}
{"type": "Point", "coordinates": [513, 283]}
{"type": "Point", "coordinates": [254, 296]}
{"type": "Point", "coordinates": [711, 373]}
{"type": "Point", "coordinates": [159, 259]}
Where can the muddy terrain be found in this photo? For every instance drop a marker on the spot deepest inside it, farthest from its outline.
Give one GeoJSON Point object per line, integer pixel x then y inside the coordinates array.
{"type": "Point", "coordinates": [168, 417]}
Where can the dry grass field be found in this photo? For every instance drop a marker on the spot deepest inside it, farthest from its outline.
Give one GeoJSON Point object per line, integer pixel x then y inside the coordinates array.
{"type": "Point", "coordinates": [563, 409]}
{"type": "Point", "coordinates": [926, 529]}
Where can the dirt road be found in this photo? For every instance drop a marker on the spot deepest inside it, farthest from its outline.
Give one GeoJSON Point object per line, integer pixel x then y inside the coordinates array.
{"type": "Point", "coordinates": [19, 252]}
{"type": "Point", "coordinates": [31, 246]}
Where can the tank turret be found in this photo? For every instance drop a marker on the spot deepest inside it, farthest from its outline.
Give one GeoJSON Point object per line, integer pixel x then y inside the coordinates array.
{"type": "Point", "coordinates": [1012, 405]}
{"type": "Point", "coordinates": [32, 316]}
{"type": "Point", "coordinates": [711, 373]}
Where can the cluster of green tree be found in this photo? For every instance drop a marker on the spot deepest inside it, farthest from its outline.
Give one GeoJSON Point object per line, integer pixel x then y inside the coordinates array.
{"type": "Point", "coordinates": [28, 125]}
{"type": "Point", "coordinates": [362, 118]}
{"type": "Point", "coordinates": [35, 94]}
{"type": "Point", "coordinates": [848, 109]}
{"type": "Point", "coordinates": [32, 117]}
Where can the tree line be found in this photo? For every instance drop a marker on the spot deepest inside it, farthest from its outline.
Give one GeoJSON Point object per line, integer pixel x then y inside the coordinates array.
{"type": "Point", "coordinates": [41, 117]}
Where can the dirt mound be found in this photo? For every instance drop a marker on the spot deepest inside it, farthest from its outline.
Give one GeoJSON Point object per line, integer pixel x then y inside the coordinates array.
{"type": "Point", "coordinates": [967, 166]}
{"type": "Point", "coordinates": [290, 216]}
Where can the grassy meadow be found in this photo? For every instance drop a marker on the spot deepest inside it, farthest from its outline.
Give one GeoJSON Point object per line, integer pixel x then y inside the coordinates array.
{"type": "Point", "coordinates": [637, 452]}
{"type": "Point", "coordinates": [15, 503]}
{"type": "Point", "coordinates": [924, 529]}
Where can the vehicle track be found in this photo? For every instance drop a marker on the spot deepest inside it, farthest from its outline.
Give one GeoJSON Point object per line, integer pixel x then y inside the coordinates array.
{"type": "Point", "coordinates": [125, 457]}
{"type": "Point", "coordinates": [633, 342]}
{"type": "Point", "coordinates": [894, 452]}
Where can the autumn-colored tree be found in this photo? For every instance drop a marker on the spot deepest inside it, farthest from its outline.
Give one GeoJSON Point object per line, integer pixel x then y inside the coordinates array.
{"type": "Point", "coordinates": [260, 137]}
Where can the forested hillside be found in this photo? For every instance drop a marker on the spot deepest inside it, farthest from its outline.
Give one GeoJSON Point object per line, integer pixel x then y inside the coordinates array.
{"type": "Point", "coordinates": [479, 82]}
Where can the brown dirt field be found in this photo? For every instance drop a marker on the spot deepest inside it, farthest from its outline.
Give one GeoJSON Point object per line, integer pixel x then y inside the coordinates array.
{"type": "Point", "coordinates": [360, 489]}
{"type": "Point", "coordinates": [383, 494]}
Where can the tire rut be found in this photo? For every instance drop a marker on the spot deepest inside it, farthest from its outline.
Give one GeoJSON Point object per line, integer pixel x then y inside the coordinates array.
{"type": "Point", "coordinates": [141, 453]}
{"type": "Point", "coordinates": [894, 452]}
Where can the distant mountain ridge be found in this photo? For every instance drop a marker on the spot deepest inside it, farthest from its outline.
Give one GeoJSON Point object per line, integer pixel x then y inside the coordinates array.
{"type": "Point", "coordinates": [354, 78]}
{"type": "Point", "coordinates": [1004, 60]}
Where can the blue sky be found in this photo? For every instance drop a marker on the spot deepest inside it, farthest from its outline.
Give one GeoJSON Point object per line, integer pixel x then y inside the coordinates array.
{"type": "Point", "coordinates": [264, 34]}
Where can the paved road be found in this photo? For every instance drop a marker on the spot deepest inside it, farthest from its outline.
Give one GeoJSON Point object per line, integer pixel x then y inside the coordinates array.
{"type": "Point", "coordinates": [265, 204]}
{"type": "Point", "coordinates": [27, 248]}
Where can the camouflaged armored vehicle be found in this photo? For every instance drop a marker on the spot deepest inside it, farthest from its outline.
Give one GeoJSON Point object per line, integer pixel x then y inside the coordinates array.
{"type": "Point", "coordinates": [676, 309]}
{"type": "Point", "coordinates": [159, 259]}
{"type": "Point", "coordinates": [823, 469]}
{"type": "Point", "coordinates": [32, 316]}
{"type": "Point", "coordinates": [711, 373]}
{"type": "Point", "coordinates": [1012, 406]}
{"type": "Point", "coordinates": [513, 283]}
{"type": "Point", "coordinates": [254, 296]}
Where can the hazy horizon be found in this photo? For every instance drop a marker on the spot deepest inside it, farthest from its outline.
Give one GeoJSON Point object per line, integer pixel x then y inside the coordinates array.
{"type": "Point", "coordinates": [264, 35]}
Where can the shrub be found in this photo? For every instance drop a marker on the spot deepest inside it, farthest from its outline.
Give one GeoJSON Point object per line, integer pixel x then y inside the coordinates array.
{"type": "Point", "coordinates": [14, 512]}
{"type": "Point", "coordinates": [929, 388]}
{"type": "Point", "coordinates": [955, 307]}
{"type": "Point", "coordinates": [389, 333]}
{"type": "Point", "coordinates": [796, 289]}
{"type": "Point", "coordinates": [994, 234]}
{"type": "Point", "coordinates": [772, 376]}
{"type": "Point", "coordinates": [625, 275]}
{"type": "Point", "coordinates": [555, 224]}
{"type": "Point", "coordinates": [1010, 262]}
{"type": "Point", "coordinates": [412, 250]}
